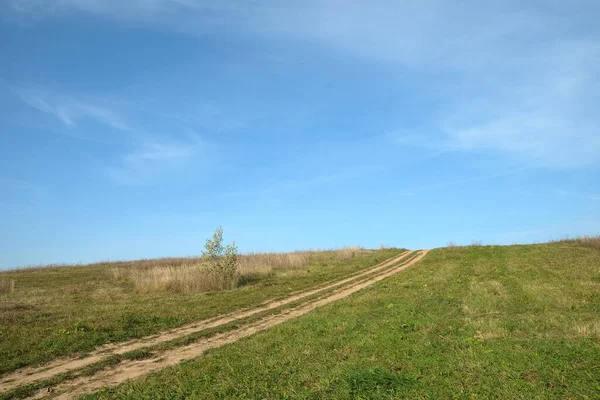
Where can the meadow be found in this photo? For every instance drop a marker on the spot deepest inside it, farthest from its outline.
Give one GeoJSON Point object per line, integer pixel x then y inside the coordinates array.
{"type": "Point", "coordinates": [489, 322]}
{"type": "Point", "coordinates": [50, 312]}
{"type": "Point", "coordinates": [461, 322]}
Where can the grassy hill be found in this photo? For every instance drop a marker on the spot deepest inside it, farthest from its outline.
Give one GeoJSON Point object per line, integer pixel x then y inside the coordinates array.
{"type": "Point", "coordinates": [60, 311]}
{"type": "Point", "coordinates": [471, 322]}
{"type": "Point", "coordinates": [516, 322]}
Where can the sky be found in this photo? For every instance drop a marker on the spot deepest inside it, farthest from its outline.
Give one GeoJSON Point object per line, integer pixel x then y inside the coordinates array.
{"type": "Point", "coordinates": [133, 129]}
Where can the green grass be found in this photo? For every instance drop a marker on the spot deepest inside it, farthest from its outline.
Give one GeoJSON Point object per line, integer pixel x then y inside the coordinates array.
{"type": "Point", "coordinates": [156, 350]}
{"type": "Point", "coordinates": [515, 322]}
{"type": "Point", "coordinates": [60, 311]}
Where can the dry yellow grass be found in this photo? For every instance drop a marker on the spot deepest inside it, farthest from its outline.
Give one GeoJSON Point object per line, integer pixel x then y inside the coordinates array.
{"type": "Point", "coordinates": [263, 264]}
{"type": "Point", "coordinates": [7, 286]}
{"type": "Point", "coordinates": [182, 278]}
{"type": "Point", "coordinates": [453, 246]}
{"type": "Point", "coordinates": [348, 252]}
{"type": "Point", "coordinates": [190, 275]}
{"type": "Point", "coordinates": [592, 241]}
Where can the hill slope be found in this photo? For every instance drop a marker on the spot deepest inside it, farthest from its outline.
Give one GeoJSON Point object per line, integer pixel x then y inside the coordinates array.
{"type": "Point", "coordinates": [474, 322]}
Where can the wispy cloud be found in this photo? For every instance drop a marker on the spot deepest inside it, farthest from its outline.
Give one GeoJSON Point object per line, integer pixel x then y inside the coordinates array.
{"type": "Point", "coordinates": [545, 120]}
{"type": "Point", "coordinates": [71, 111]}
{"type": "Point", "coordinates": [152, 160]}
{"type": "Point", "coordinates": [157, 147]}
{"type": "Point", "coordinates": [513, 78]}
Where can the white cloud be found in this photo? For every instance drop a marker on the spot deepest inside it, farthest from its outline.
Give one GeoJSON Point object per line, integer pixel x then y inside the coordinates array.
{"type": "Point", "coordinates": [154, 153]}
{"type": "Point", "coordinates": [517, 78]}
{"type": "Point", "coordinates": [152, 160]}
{"type": "Point", "coordinates": [547, 120]}
{"type": "Point", "coordinates": [71, 111]}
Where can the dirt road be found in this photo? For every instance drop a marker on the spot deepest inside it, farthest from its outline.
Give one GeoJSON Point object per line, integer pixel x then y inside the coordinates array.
{"type": "Point", "coordinates": [130, 369]}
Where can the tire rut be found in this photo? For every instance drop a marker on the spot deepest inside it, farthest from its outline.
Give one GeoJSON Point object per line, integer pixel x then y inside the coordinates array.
{"type": "Point", "coordinates": [132, 369]}
{"type": "Point", "coordinates": [34, 374]}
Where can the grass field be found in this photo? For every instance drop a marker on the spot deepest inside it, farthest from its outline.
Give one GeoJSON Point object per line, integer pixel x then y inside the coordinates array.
{"type": "Point", "coordinates": [59, 311]}
{"type": "Point", "coordinates": [515, 322]}
{"type": "Point", "coordinates": [469, 322]}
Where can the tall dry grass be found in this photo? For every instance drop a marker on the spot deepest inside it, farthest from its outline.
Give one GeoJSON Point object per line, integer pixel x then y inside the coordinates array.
{"type": "Point", "coordinates": [181, 278]}
{"type": "Point", "coordinates": [187, 275]}
{"type": "Point", "coordinates": [254, 265]}
{"type": "Point", "coordinates": [453, 246]}
{"type": "Point", "coordinates": [348, 252]}
{"type": "Point", "coordinates": [190, 275]}
{"type": "Point", "coordinates": [592, 241]}
{"type": "Point", "coordinates": [7, 286]}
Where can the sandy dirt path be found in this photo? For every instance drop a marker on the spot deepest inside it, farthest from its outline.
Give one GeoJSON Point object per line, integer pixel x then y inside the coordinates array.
{"type": "Point", "coordinates": [136, 368]}
{"type": "Point", "coordinates": [33, 374]}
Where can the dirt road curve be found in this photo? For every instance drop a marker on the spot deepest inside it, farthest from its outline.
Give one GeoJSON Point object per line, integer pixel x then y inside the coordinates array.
{"type": "Point", "coordinates": [28, 375]}
{"type": "Point", "coordinates": [135, 368]}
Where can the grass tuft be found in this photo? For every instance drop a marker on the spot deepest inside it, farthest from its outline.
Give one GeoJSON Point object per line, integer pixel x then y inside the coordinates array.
{"type": "Point", "coordinates": [375, 382]}
{"type": "Point", "coordinates": [7, 286]}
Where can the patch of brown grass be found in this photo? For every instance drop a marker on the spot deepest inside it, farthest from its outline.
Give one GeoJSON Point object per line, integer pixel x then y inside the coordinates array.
{"type": "Point", "coordinates": [190, 275]}
{"type": "Point", "coordinates": [256, 265]}
{"type": "Point", "coordinates": [587, 330]}
{"type": "Point", "coordinates": [591, 241]}
{"type": "Point", "coordinates": [265, 263]}
{"type": "Point", "coordinates": [7, 286]}
{"type": "Point", "coordinates": [349, 252]}
{"type": "Point", "coordinates": [181, 278]}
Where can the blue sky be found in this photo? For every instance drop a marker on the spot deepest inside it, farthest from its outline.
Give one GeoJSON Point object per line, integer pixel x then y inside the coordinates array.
{"type": "Point", "coordinates": [134, 129]}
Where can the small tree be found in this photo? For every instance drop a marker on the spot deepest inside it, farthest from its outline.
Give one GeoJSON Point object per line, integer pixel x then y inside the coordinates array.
{"type": "Point", "coordinates": [221, 261]}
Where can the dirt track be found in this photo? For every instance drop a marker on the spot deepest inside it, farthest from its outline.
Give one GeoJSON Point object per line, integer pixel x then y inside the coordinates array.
{"type": "Point", "coordinates": [62, 365]}
{"type": "Point", "coordinates": [135, 368]}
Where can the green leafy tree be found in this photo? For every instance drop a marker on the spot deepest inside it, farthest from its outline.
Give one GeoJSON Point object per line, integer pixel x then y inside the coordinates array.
{"type": "Point", "coordinates": [219, 259]}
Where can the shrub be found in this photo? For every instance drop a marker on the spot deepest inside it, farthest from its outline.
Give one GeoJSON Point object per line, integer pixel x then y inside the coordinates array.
{"type": "Point", "coordinates": [221, 262]}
